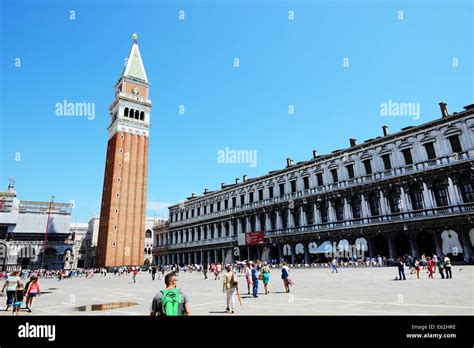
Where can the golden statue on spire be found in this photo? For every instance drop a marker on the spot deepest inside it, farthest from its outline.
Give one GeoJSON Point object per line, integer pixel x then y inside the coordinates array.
{"type": "Point", "coordinates": [135, 37]}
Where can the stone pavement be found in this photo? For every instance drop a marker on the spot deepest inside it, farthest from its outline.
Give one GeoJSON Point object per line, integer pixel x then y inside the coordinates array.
{"type": "Point", "coordinates": [353, 291]}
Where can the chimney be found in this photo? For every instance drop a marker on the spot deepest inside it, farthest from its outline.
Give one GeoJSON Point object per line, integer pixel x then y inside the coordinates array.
{"type": "Point", "coordinates": [205, 191]}
{"type": "Point", "coordinates": [237, 181]}
{"type": "Point", "coordinates": [289, 162]}
{"type": "Point", "coordinates": [444, 109]}
{"type": "Point", "coordinates": [193, 195]}
{"type": "Point", "coordinates": [244, 179]}
{"type": "Point", "coordinates": [385, 130]}
{"type": "Point", "coordinates": [315, 154]}
{"type": "Point", "coordinates": [352, 141]}
{"type": "Point", "coordinates": [222, 185]}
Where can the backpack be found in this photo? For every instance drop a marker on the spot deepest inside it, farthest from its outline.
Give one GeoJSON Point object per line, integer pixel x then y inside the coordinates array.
{"type": "Point", "coordinates": [171, 302]}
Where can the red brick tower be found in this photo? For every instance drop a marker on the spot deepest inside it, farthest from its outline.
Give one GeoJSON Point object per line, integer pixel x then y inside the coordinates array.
{"type": "Point", "coordinates": [122, 214]}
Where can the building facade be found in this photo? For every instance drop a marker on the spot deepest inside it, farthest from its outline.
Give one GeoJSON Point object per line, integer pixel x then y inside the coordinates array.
{"type": "Point", "coordinates": [23, 226]}
{"type": "Point", "coordinates": [75, 258]}
{"type": "Point", "coordinates": [410, 192]}
{"type": "Point", "coordinates": [122, 214]}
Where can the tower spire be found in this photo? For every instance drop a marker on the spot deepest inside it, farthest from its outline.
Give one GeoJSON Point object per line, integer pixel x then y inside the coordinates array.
{"type": "Point", "coordinates": [134, 68]}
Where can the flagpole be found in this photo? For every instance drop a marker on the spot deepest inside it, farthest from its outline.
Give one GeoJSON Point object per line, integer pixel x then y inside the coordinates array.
{"type": "Point", "coordinates": [46, 233]}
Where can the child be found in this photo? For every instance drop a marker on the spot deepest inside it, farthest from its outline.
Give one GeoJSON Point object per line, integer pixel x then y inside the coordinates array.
{"type": "Point", "coordinates": [18, 301]}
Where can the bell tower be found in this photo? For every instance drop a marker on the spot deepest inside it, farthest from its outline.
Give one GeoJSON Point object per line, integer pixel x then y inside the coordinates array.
{"type": "Point", "coordinates": [123, 209]}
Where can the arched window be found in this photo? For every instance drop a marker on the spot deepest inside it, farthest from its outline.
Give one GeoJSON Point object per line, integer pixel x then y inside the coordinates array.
{"type": "Point", "coordinates": [394, 201]}
{"type": "Point", "coordinates": [142, 116]}
{"type": "Point", "coordinates": [148, 234]}
{"type": "Point", "coordinates": [416, 197]}
{"type": "Point", "coordinates": [137, 114]}
{"type": "Point", "coordinates": [125, 112]}
{"type": "Point", "coordinates": [466, 185]}
{"type": "Point", "coordinates": [374, 205]}
{"type": "Point", "coordinates": [356, 207]}
{"type": "Point", "coordinates": [130, 113]}
{"type": "Point", "coordinates": [440, 190]}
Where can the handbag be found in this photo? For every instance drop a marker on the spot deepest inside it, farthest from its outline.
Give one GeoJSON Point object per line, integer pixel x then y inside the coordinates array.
{"type": "Point", "coordinates": [260, 276]}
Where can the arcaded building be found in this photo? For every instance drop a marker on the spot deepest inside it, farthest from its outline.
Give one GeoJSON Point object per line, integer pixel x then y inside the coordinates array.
{"type": "Point", "coordinates": [408, 192]}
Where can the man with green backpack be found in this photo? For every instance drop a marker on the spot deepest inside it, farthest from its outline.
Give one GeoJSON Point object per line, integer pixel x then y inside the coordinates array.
{"type": "Point", "coordinates": [171, 301]}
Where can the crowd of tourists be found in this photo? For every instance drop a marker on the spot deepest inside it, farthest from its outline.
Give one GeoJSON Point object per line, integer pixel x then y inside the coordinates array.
{"type": "Point", "coordinates": [424, 264]}
{"type": "Point", "coordinates": [172, 301]}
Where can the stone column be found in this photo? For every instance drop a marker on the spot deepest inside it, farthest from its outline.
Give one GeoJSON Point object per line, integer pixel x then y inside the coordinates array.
{"type": "Point", "coordinates": [453, 193]}
{"type": "Point", "coordinates": [370, 246]}
{"type": "Point", "coordinates": [280, 253]}
{"type": "Point", "coordinates": [405, 200]}
{"type": "Point", "coordinates": [347, 212]}
{"type": "Point", "coordinates": [231, 227]}
{"type": "Point", "coordinates": [279, 223]}
{"type": "Point", "coordinates": [364, 207]}
{"type": "Point", "coordinates": [391, 246]}
{"type": "Point", "coordinates": [248, 225]}
{"type": "Point", "coordinates": [465, 241]}
{"type": "Point", "coordinates": [306, 253]}
{"type": "Point", "coordinates": [223, 229]}
{"type": "Point", "coordinates": [383, 204]}
{"type": "Point", "coordinates": [427, 197]}
{"type": "Point", "coordinates": [239, 226]}
{"type": "Point", "coordinates": [316, 215]}
{"type": "Point", "coordinates": [257, 223]}
{"type": "Point", "coordinates": [413, 245]}
{"type": "Point", "coordinates": [293, 253]}
{"type": "Point", "coordinates": [290, 219]}
{"type": "Point", "coordinates": [223, 255]}
{"type": "Point", "coordinates": [331, 214]}
{"type": "Point", "coordinates": [268, 224]}
{"type": "Point", "coordinates": [215, 255]}
{"type": "Point", "coordinates": [303, 220]}
{"type": "Point", "coordinates": [201, 261]}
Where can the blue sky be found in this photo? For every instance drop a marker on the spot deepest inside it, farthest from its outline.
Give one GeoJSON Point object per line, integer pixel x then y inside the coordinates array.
{"type": "Point", "coordinates": [282, 62]}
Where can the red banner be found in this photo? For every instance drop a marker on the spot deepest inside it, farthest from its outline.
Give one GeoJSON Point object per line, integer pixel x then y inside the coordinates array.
{"type": "Point", "coordinates": [253, 238]}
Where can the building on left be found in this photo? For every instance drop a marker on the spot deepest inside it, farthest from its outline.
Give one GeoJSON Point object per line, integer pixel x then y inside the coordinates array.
{"type": "Point", "coordinates": [23, 227]}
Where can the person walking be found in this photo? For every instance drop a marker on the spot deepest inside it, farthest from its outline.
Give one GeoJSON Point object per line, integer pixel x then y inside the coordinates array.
{"type": "Point", "coordinates": [10, 285]}
{"type": "Point", "coordinates": [447, 267]}
{"type": "Point", "coordinates": [431, 267]}
{"type": "Point", "coordinates": [334, 265]}
{"type": "Point", "coordinates": [266, 277]}
{"type": "Point", "coordinates": [255, 276]}
{"type": "Point", "coordinates": [285, 276]}
{"type": "Point", "coordinates": [170, 301]}
{"type": "Point", "coordinates": [32, 291]}
{"type": "Point", "coordinates": [153, 272]}
{"type": "Point", "coordinates": [401, 269]}
{"type": "Point", "coordinates": [416, 263]}
{"type": "Point", "coordinates": [135, 272]}
{"type": "Point", "coordinates": [440, 265]}
{"type": "Point", "coordinates": [18, 299]}
{"type": "Point", "coordinates": [229, 287]}
{"type": "Point", "coordinates": [204, 270]}
{"type": "Point", "coordinates": [248, 276]}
